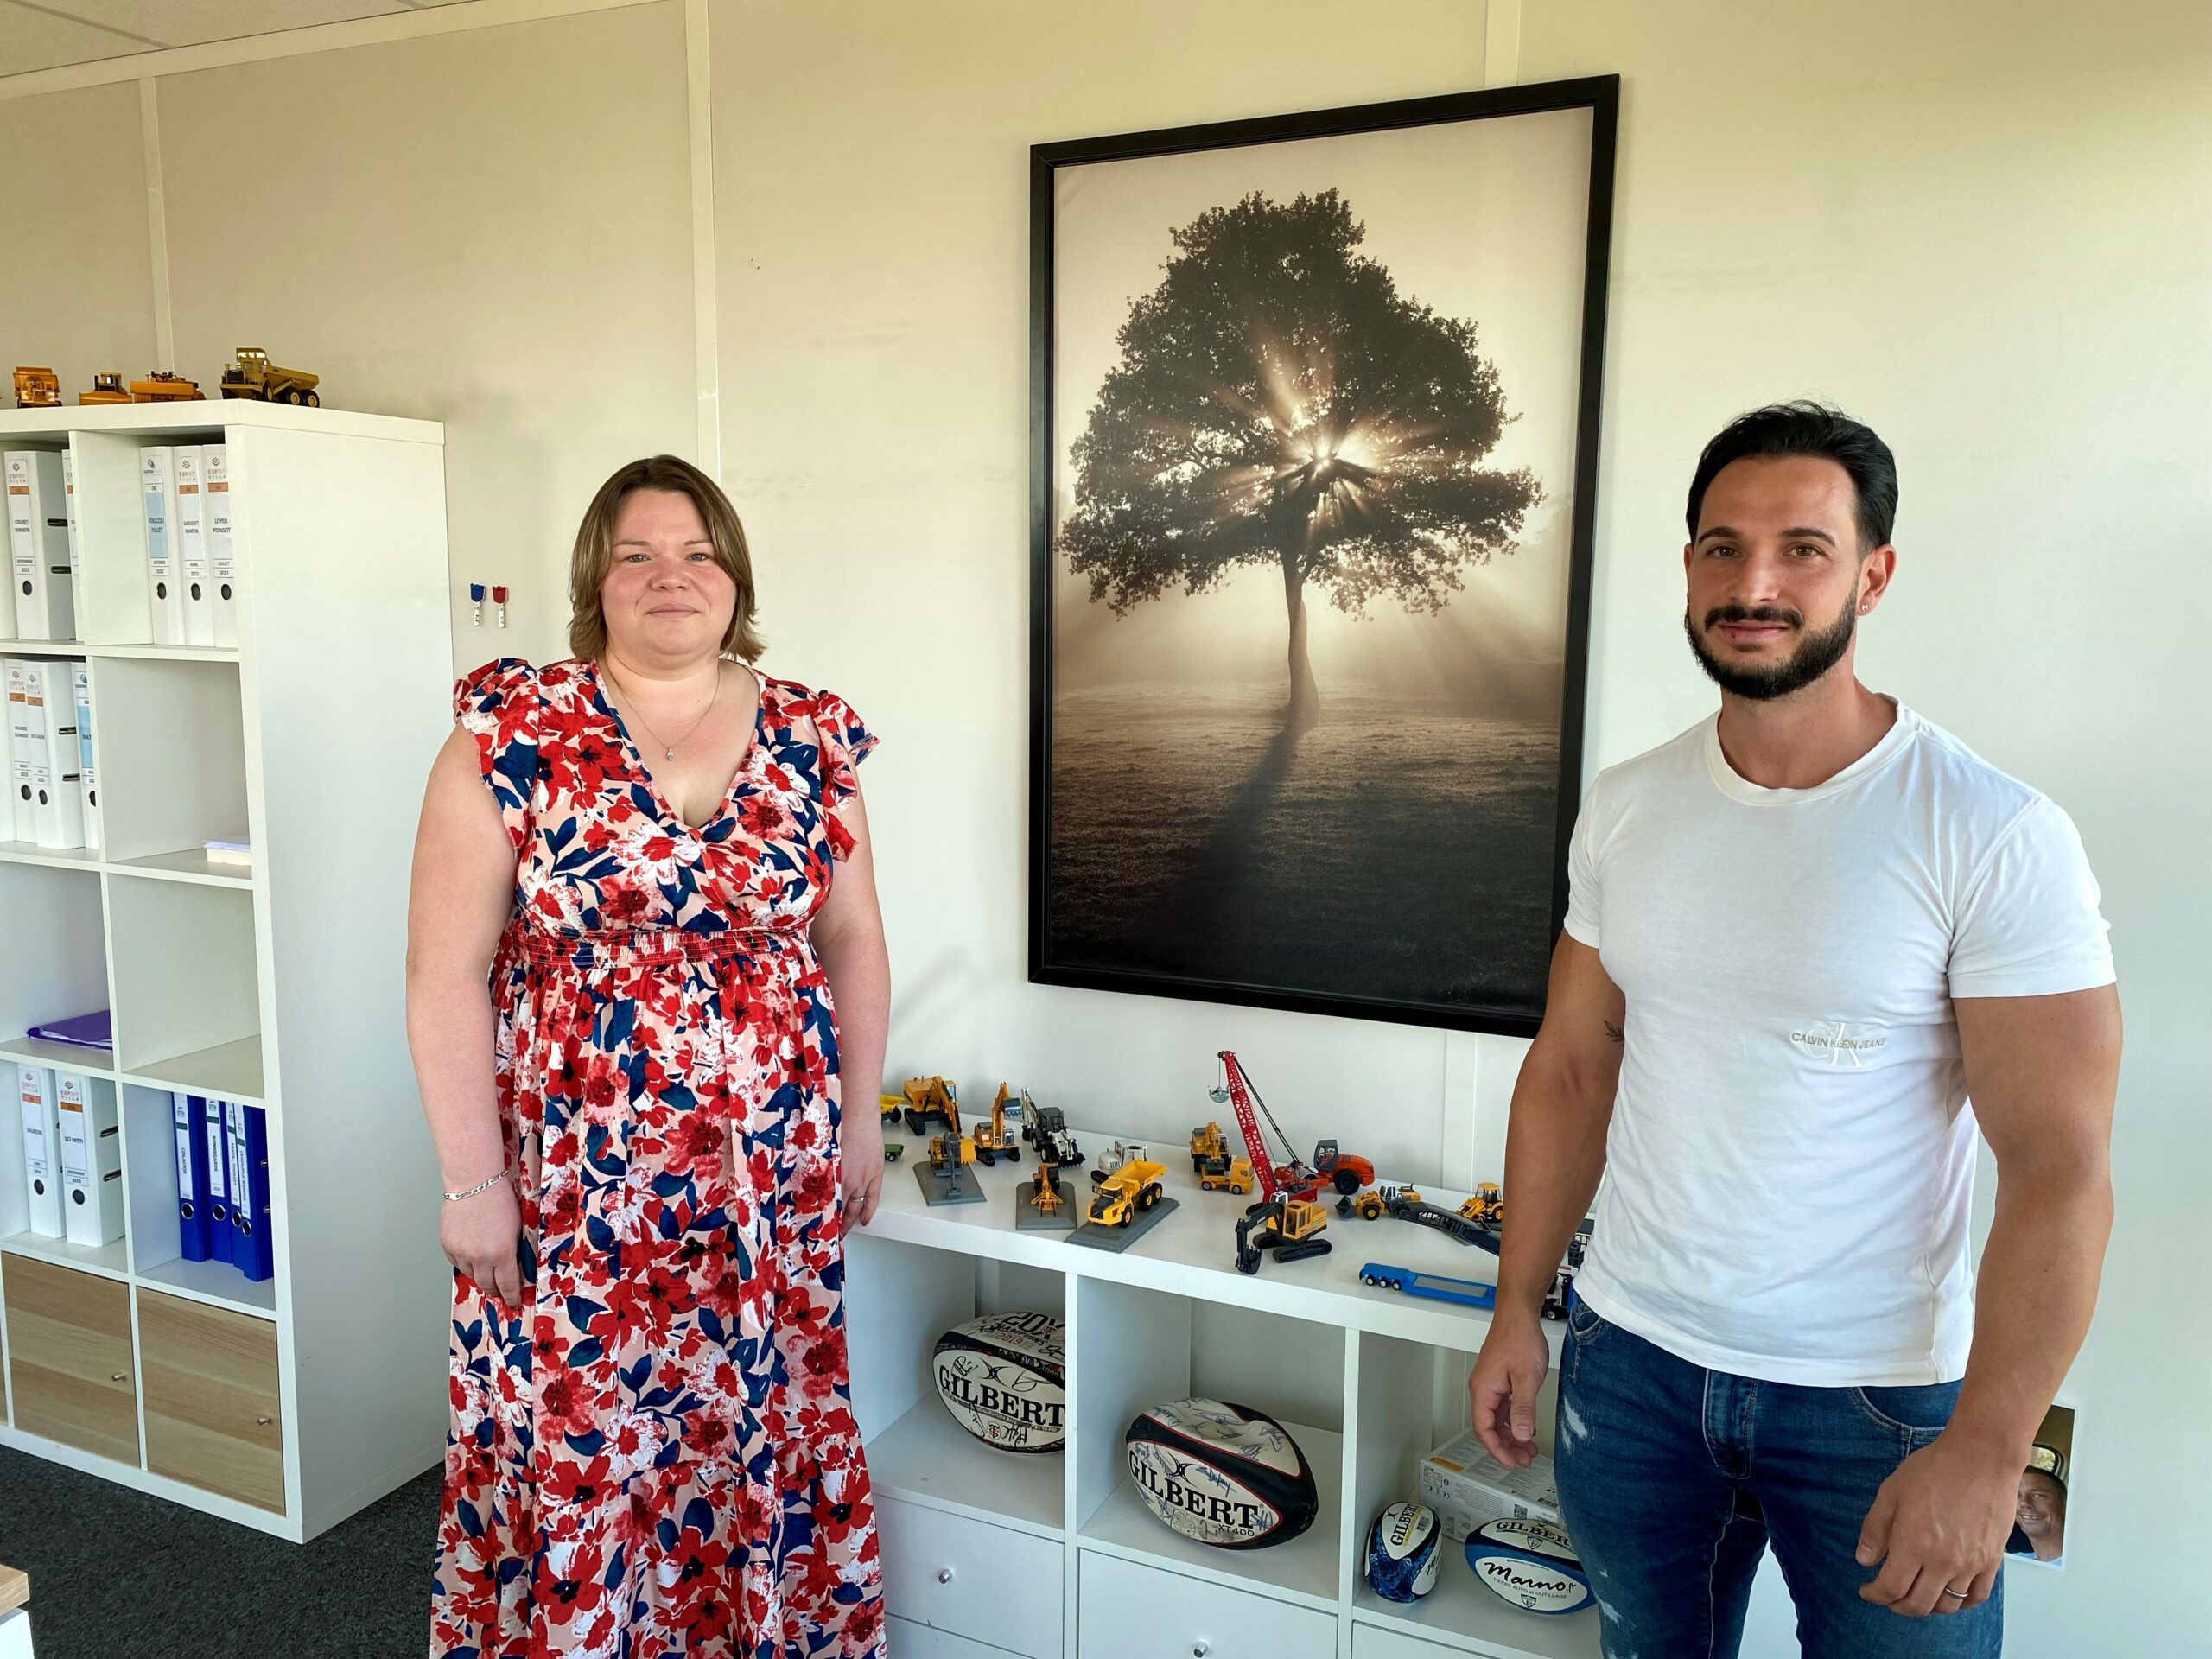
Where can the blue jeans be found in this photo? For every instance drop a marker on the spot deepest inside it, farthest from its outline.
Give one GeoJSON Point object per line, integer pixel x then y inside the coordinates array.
{"type": "Point", "coordinates": [1673, 1479]}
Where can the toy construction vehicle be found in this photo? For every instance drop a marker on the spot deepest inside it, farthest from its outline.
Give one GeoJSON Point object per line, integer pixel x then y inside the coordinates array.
{"type": "Point", "coordinates": [1133, 1185]}
{"type": "Point", "coordinates": [1487, 1207]}
{"type": "Point", "coordinates": [1290, 1228]}
{"type": "Point", "coordinates": [891, 1105]}
{"type": "Point", "coordinates": [931, 1100]}
{"type": "Point", "coordinates": [1406, 1203]}
{"type": "Point", "coordinates": [893, 1150]}
{"type": "Point", "coordinates": [163, 387]}
{"type": "Point", "coordinates": [994, 1141]}
{"type": "Point", "coordinates": [106, 389]}
{"type": "Point", "coordinates": [255, 376]}
{"type": "Point", "coordinates": [1045, 1129]}
{"type": "Point", "coordinates": [37, 388]}
{"type": "Point", "coordinates": [1044, 1195]}
{"type": "Point", "coordinates": [1331, 1167]}
{"type": "Point", "coordinates": [1209, 1161]}
{"type": "Point", "coordinates": [949, 1152]}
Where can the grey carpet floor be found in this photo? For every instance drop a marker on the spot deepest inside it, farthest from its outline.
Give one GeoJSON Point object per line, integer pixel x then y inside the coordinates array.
{"type": "Point", "coordinates": [117, 1574]}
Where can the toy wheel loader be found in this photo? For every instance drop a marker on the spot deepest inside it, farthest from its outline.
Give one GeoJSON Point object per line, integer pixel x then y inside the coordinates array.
{"type": "Point", "coordinates": [1289, 1228]}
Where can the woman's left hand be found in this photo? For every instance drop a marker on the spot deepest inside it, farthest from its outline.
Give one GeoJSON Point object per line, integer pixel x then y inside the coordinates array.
{"type": "Point", "coordinates": [860, 1138]}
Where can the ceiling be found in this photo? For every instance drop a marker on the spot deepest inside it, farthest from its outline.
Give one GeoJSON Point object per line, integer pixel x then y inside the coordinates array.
{"type": "Point", "coordinates": [47, 33]}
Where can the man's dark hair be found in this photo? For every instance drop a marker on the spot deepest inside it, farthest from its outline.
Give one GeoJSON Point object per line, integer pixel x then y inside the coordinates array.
{"type": "Point", "coordinates": [1808, 428]}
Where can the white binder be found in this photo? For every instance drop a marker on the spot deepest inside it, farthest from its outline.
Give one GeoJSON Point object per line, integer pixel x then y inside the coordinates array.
{"type": "Point", "coordinates": [21, 817]}
{"type": "Point", "coordinates": [192, 548]}
{"type": "Point", "coordinates": [157, 519]}
{"type": "Point", "coordinates": [92, 1161]}
{"type": "Point", "coordinates": [58, 785]}
{"type": "Point", "coordinates": [80, 691]}
{"type": "Point", "coordinates": [41, 1147]}
{"type": "Point", "coordinates": [38, 545]}
{"type": "Point", "coordinates": [76, 558]}
{"type": "Point", "coordinates": [215, 520]}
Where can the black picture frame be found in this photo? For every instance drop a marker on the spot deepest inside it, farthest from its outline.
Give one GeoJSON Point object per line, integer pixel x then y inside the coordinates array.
{"type": "Point", "coordinates": [1599, 95]}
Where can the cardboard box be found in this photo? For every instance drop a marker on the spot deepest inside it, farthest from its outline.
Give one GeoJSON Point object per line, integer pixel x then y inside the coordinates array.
{"type": "Point", "coordinates": [1466, 1486]}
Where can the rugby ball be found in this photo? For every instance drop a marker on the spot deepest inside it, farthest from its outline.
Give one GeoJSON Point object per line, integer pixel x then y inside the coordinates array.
{"type": "Point", "coordinates": [1530, 1564]}
{"type": "Point", "coordinates": [1223, 1474]}
{"type": "Point", "coordinates": [1003, 1378]}
{"type": "Point", "coordinates": [1402, 1552]}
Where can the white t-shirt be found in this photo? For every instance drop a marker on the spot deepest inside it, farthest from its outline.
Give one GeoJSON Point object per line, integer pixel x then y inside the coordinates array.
{"type": "Point", "coordinates": [1790, 1163]}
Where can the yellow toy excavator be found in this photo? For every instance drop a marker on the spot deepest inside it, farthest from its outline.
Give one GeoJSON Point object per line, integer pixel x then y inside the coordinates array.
{"type": "Point", "coordinates": [994, 1141]}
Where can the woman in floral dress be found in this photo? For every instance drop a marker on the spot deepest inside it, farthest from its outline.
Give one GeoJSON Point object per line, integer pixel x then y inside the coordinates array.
{"type": "Point", "coordinates": [640, 877]}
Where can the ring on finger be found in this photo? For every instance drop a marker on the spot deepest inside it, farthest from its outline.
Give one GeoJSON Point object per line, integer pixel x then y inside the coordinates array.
{"type": "Point", "coordinates": [1956, 1595]}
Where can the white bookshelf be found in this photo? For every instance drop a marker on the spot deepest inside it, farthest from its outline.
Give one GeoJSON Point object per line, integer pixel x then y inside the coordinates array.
{"type": "Point", "coordinates": [1368, 1382]}
{"type": "Point", "coordinates": [279, 984]}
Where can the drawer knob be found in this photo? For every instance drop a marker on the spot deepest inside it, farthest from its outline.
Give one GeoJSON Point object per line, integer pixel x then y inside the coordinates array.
{"type": "Point", "coordinates": [261, 1422]}
{"type": "Point", "coordinates": [944, 1575]}
{"type": "Point", "coordinates": [119, 1376]}
{"type": "Point", "coordinates": [1200, 1650]}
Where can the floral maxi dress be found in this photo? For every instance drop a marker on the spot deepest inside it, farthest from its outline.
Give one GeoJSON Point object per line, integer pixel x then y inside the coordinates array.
{"type": "Point", "coordinates": [656, 1455]}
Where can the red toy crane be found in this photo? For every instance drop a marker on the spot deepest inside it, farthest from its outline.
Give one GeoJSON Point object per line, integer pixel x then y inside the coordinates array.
{"type": "Point", "coordinates": [1343, 1171]}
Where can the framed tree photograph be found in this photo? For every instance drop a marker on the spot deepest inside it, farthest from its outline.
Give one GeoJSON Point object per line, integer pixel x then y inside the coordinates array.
{"type": "Point", "coordinates": [1314, 410]}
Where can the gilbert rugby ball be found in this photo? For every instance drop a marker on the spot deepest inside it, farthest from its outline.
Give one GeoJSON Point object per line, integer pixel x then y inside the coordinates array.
{"type": "Point", "coordinates": [1223, 1474]}
{"type": "Point", "coordinates": [1003, 1378]}
{"type": "Point", "coordinates": [1530, 1564]}
{"type": "Point", "coordinates": [1402, 1552]}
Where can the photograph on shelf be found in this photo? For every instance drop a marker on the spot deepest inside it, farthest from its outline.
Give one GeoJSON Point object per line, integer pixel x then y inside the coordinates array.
{"type": "Point", "coordinates": [1315, 409]}
{"type": "Point", "coordinates": [2039, 1516]}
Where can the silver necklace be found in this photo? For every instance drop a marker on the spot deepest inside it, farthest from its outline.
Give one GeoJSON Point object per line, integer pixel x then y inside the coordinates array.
{"type": "Point", "coordinates": [668, 749]}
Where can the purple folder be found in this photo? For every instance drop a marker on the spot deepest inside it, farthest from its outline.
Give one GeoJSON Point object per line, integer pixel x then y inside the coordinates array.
{"type": "Point", "coordinates": [86, 1031]}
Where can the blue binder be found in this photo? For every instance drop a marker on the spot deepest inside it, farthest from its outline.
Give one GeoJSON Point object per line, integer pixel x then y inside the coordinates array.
{"type": "Point", "coordinates": [191, 1176]}
{"type": "Point", "coordinates": [250, 1249]}
{"type": "Point", "coordinates": [218, 1173]}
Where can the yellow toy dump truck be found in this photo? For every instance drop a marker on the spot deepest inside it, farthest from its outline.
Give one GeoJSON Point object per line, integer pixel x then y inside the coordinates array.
{"type": "Point", "coordinates": [1134, 1186]}
{"type": "Point", "coordinates": [37, 388]}
{"type": "Point", "coordinates": [255, 376]}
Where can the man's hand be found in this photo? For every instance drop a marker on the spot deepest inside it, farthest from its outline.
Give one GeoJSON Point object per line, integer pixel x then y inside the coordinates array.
{"type": "Point", "coordinates": [861, 1142]}
{"type": "Point", "coordinates": [1939, 1524]}
{"type": "Point", "coordinates": [1503, 1387]}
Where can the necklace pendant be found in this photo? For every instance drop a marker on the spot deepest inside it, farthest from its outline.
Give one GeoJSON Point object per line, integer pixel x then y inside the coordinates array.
{"type": "Point", "coordinates": [668, 754]}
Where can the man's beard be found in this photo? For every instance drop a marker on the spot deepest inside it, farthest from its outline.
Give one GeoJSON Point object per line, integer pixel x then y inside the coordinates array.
{"type": "Point", "coordinates": [1816, 653]}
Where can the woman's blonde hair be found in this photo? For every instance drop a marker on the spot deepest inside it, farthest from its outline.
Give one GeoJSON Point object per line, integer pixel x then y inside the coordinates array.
{"type": "Point", "coordinates": [594, 552]}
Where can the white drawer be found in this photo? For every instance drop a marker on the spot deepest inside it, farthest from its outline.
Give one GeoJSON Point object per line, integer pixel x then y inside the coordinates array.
{"type": "Point", "coordinates": [1124, 1611]}
{"type": "Point", "coordinates": [904, 1639]}
{"type": "Point", "coordinates": [992, 1584]}
{"type": "Point", "coordinates": [1369, 1642]}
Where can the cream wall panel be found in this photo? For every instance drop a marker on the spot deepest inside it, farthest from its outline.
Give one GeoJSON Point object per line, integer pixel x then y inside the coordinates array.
{"type": "Point", "coordinates": [1983, 229]}
{"type": "Point", "coordinates": [872, 212]}
{"type": "Point", "coordinates": [76, 288]}
{"type": "Point", "coordinates": [491, 229]}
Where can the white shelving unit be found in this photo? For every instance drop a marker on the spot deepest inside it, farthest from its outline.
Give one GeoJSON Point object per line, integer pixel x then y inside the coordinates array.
{"type": "Point", "coordinates": [288, 1404]}
{"type": "Point", "coordinates": [989, 1553]}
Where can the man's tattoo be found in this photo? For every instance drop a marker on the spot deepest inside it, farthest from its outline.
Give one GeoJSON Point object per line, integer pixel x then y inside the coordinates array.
{"type": "Point", "coordinates": [1614, 1030]}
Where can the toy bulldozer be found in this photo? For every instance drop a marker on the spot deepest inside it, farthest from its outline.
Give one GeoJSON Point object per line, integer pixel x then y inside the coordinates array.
{"type": "Point", "coordinates": [255, 376]}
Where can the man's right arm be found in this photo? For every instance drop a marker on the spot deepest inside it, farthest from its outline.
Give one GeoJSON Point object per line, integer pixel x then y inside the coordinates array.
{"type": "Point", "coordinates": [1554, 1153]}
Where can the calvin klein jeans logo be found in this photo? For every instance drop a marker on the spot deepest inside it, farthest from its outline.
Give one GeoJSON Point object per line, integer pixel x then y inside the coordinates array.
{"type": "Point", "coordinates": [1842, 1043]}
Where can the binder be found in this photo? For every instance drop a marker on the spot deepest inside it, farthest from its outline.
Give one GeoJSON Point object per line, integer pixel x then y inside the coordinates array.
{"type": "Point", "coordinates": [219, 1179]}
{"type": "Point", "coordinates": [192, 548]}
{"type": "Point", "coordinates": [157, 496]}
{"type": "Point", "coordinates": [20, 820]}
{"type": "Point", "coordinates": [41, 1145]}
{"type": "Point", "coordinates": [38, 543]}
{"type": "Point", "coordinates": [215, 521]}
{"type": "Point", "coordinates": [76, 558]}
{"type": "Point", "coordinates": [59, 787]}
{"type": "Point", "coordinates": [191, 1114]}
{"type": "Point", "coordinates": [92, 1161]}
{"type": "Point", "coordinates": [80, 691]}
{"type": "Point", "coordinates": [250, 1249]}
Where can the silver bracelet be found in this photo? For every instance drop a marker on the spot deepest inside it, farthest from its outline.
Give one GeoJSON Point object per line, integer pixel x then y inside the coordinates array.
{"type": "Point", "coordinates": [481, 1186]}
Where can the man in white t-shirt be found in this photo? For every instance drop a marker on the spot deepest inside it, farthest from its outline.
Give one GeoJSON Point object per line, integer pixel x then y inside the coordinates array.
{"type": "Point", "coordinates": [1800, 936]}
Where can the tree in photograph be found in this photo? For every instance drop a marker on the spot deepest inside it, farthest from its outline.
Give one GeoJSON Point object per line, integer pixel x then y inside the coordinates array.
{"type": "Point", "coordinates": [1278, 402]}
